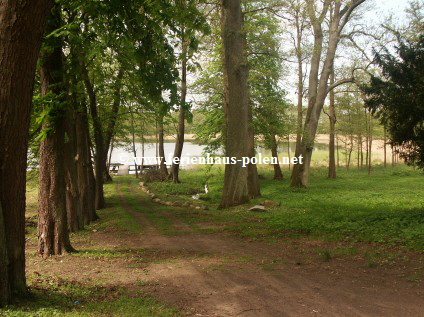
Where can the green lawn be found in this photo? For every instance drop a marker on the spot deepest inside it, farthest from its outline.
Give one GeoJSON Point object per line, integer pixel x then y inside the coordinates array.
{"type": "Point", "coordinates": [55, 297]}
{"type": "Point", "coordinates": [386, 207]}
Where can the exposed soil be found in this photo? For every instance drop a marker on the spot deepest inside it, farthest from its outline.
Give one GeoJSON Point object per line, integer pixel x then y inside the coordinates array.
{"type": "Point", "coordinates": [220, 275]}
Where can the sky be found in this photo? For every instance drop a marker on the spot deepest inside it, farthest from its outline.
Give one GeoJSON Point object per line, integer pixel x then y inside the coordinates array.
{"type": "Point", "coordinates": [396, 7]}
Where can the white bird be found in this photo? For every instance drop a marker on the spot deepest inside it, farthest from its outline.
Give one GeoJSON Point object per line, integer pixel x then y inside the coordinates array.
{"type": "Point", "coordinates": [206, 189]}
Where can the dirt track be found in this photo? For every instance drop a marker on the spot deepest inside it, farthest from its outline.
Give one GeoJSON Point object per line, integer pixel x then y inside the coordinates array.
{"type": "Point", "coordinates": [218, 275]}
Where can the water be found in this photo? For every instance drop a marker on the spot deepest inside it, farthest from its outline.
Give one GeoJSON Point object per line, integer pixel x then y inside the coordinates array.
{"type": "Point", "coordinates": [124, 154]}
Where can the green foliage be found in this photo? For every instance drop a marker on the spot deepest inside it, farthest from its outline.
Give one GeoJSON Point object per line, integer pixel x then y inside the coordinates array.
{"type": "Point", "coordinates": [267, 98]}
{"type": "Point", "coordinates": [397, 98]}
{"type": "Point", "coordinates": [384, 208]}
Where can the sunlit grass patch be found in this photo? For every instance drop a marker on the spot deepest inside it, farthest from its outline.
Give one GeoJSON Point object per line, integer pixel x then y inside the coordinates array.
{"type": "Point", "coordinates": [386, 207]}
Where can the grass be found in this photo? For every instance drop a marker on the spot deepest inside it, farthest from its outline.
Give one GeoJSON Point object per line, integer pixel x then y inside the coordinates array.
{"type": "Point", "coordinates": [386, 207]}
{"type": "Point", "coordinates": [115, 217]}
{"type": "Point", "coordinates": [57, 297]}
{"type": "Point", "coordinates": [53, 296]}
{"type": "Point", "coordinates": [163, 224]}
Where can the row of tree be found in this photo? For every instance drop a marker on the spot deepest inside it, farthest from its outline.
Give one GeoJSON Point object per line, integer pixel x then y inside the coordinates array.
{"type": "Point", "coordinates": [98, 61]}
{"type": "Point", "coordinates": [105, 66]}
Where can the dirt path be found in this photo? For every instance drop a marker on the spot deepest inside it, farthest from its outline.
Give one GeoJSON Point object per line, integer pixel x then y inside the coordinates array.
{"type": "Point", "coordinates": [219, 275]}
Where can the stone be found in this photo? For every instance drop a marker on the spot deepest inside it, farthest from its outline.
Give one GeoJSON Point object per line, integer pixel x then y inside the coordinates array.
{"type": "Point", "coordinates": [259, 208]}
{"type": "Point", "coordinates": [157, 200]}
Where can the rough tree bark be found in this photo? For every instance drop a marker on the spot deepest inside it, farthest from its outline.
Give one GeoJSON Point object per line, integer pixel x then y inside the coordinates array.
{"type": "Point", "coordinates": [318, 76]}
{"type": "Point", "coordinates": [73, 202]}
{"type": "Point", "coordinates": [21, 29]}
{"type": "Point", "coordinates": [4, 262]}
{"type": "Point", "coordinates": [53, 233]}
{"type": "Point", "coordinates": [235, 78]}
{"type": "Point", "coordinates": [84, 165]}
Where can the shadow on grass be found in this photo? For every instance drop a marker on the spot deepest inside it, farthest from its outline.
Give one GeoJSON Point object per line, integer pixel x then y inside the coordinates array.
{"type": "Point", "coordinates": [58, 297]}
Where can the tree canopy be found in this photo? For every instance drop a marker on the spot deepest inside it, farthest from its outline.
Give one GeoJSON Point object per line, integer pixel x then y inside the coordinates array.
{"type": "Point", "coordinates": [397, 97]}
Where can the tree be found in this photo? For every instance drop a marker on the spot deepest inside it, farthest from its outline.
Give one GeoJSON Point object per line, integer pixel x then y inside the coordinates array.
{"type": "Point", "coordinates": [236, 103]}
{"type": "Point", "coordinates": [295, 17]}
{"type": "Point", "coordinates": [266, 97]}
{"type": "Point", "coordinates": [320, 73]}
{"type": "Point", "coordinates": [397, 97]}
{"type": "Point", "coordinates": [53, 233]}
{"type": "Point", "coordinates": [332, 144]}
{"type": "Point", "coordinates": [21, 29]}
{"type": "Point", "coordinates": [192, 21]}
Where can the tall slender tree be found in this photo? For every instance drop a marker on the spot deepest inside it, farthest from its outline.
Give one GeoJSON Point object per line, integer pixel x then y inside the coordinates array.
{"type": "Point", "coordinates": [341, 13]}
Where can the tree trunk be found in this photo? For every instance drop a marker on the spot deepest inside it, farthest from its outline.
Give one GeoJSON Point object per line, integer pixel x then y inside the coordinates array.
{"type": "Point", "coordinates": [385, 147]}
{"type": "Point", "coordinates": [253, 186]}
{"type": "Point", "coordinates": [370, 144]}
{"type": "Point", "coordinates": [278, 175]}
{"type": "Point", "coordinates": [299, 86]}
{"type": "Point", "coordinates": [318, 77]}
{"type": "Point", "coordinates": [142, 147]}
{"type": "Point", "coordinates": [393, 156]}
{"type": "Point", "coordinates": [133, 144]}
{"type": "Point", "coordinates": [99, 158]}
{"type": "Point", "coordinates": [93, 192]}
{"type": "Point", "coordinates": [337, 151]}
{"type": "Point", "coordinates": [4, 263]}
{"type": "Point", "coordinates": [350, 152]}
{"type": "Point", "coordinates": [73, 205]}
{"type": "Point", "coordinates": [83, 166]}
{"type": "Point", "coordinates": [110, 154]}
{"type": "Point", "coordinates": [288, 151]}
{"type": "Point", "coordinates": [366, 140]}
{"type": "Point", "coordinates": [178, 151]}
{"type": "Point", "coordinates": [113, 118]}
{"type": "Point", "coordinates": [53, 233]}
{"type": "Point", "coordinates": [157, 143]}
{"type": "Point", "coordinates": [163, 169]}
{"type": "Point", "coordinates": [21, 29]}
{"type": "Point", "coordinates": [358, 156]}
{"type": "Point", "coordinates": [236, 70]}
{"type": "Point", "coordinates": [332, 158]}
